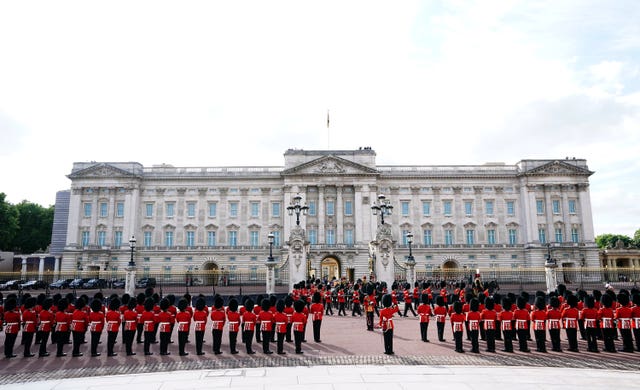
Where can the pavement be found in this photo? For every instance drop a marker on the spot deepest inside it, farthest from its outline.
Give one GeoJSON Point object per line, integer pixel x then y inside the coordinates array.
{"type": "Point", "coordinates": [349, 356]}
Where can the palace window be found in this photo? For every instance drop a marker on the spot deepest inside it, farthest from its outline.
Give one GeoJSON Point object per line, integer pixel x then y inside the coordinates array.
{"type": "Point", "coordinates": [348, 207]}
{"type": "Point", "coordinates": [447, 207]}
{"type": "Point", "coordinates": [87, 209]}
{"type": "Point", "coordinates": [171, 208]}
{"type": "Point", "coordinates": [491, 236]}
{"type": "Point", "coordinates": [488, 206]}
{"type": "Point", "coordinates": [426, 209]}
{"type": "Point", "coordinates": [120, 209]}
{"type": "Point", "coordinates": [147, 239]}
{"type": "Point", "coordinates": [191, 209]}
{"type": "Point", "coordinates": [213, 210]}
{"type": "Point", "coordinates": [255, 209]}
{"type": "Point", "coordinates": [104, 209]}
{"type": "Point", "coordinates": [427, 237]}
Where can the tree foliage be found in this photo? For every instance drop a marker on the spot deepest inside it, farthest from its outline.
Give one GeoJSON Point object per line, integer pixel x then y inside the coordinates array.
{"type": "Point", "coordinates": [25, 227]}
{"type": "Point", "coordinates": [8, 223]}
{"type": "Point", "coordinates": [608, 240]}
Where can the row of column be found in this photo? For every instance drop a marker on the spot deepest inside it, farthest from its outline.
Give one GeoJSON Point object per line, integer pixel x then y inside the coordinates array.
{"type": "Point", "coordinates": [56, 266]}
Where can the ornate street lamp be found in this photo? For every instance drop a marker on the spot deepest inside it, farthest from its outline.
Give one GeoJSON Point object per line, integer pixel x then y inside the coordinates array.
{"type": "Point", "coordinates": [297, 208]}
{"type": "Point", "coordinates": [383, 206]}
{"type": "Point", "coordinates": [270, 237]}
{"type": "Point", "coordinates": [549, 259]}
{"type": "Point", "coordinates": [409, 242]}
{"type": "Point", "coordinates": [582, 263]}
{"type": "Point", "coordinates": [132, 245]}
{"type": "Point", "coordinates": [411, 262]}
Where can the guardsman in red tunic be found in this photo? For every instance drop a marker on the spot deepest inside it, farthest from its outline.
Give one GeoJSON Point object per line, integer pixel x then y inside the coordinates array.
{"type": "Point", "coordinates": [298, 321]}
{"type": "Point", "coordinates": [506, 324]}
{"type": "Point", "coordinates": [538, 322]}
{"type": "Point", "coordinates": [521, 318]}
{"type": "Point", "coordinates": [183, 319]}
{"type": "Point", "coordinates": [416, 295]}
{"type": "Point", "coordinates": [590, 318]}
{"type": "Point", "coordinates": [369, 306]}
{"type": "Point", "coordinates": [61, 328]}
{"type": "Point", "coordinates": [165, 322]}
{"type": "Point", "coordinates": [148, 320]}
{"type": "Point", "coordinates": [554, 321]}
{"type": "Point", "coordinates": [12, 320]}
{"type": "Point", "coordinates": [440, 312]}
{"type": "Point", "coordinates": [124, 305]}
{"type": "Point", "coordinates": [256, 310]}
{"type": "Point", "coordinates": [473, 323]}
{"type": "Point", "coordinates": [200, 316]}
{"type": "Point", "coordinates": [266, 325]}
{"type": "Point", "coordinates": [489, 317]}
{"type": "Point", "coordinates": [233, 319]}
{"type": "Point", "coordinates": [280, 320]}
{"type": "Point", "coordinates": [316, 316]}
{"type": "Point", "coordinates": [130, 319]}
{"type": "Point", "coordinates": [288, 311]}
{"type": "Point", "coordinates": [407, 296]}
{"type": "Point", "coordinates": [606, 315]}
{"type": "Point", "coordinates": [341, 302]}
{"type": "Point", "coordinates": [139, 310]}
{"type": "Point", "coordinates": [96, 325]}
{"type": "Point", "coordinates": [113, 320]}
{"type": "Point", "coordinates": [624, 320]}
{"type": "Point", "coordinates": [46, 319]}
{"type": "Point", "coordinates": [249, 325]}
{"type": "Point", "coordinates": [570, 319]}
{"type": "Point", "coordinates": [386, 323]}
{"type": "Point", "coordinates": [79, 321]}
{"type": "Point", "coordinates": [327, 302]}
{"type": "Point", "coordinates": [424, 313]}
{"type": "Point", "coordinates": [30, 321]}
{"type": "Point", "coordinates": [355, 299]}
{"type": "Point", "coordinates": [218, 318]}
{"type": "Point", "coordinates": [457, 319]}
{"type": "Point", "coordinates": [635, 316]}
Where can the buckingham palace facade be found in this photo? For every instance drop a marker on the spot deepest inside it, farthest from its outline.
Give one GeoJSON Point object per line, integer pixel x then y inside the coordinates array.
{"type": "Point", "coordinates": [206, 218]}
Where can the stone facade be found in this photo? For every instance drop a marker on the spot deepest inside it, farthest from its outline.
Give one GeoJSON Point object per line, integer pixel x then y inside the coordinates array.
{"type": "Point", "coordinates": [196, 218]}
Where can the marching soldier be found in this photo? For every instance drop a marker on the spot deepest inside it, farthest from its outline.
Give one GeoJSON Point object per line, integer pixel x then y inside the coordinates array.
{"type": "Point", "coordinates": [12, 320]}
{"type": "Point", "coordinates": [440, 312]}
{"type": "Point", "coordinates": [570, 318]}
{"type": "Point", "coordinates": [61, 327]}
{"type": "Point", "coordinates": [407, 296]}
{"type": "Point", "coordinates": [424, 311]}
{"type": "Point", "coordinates": [165, 322]}
{"type": "Point", "coordinates": [623, 317]}
{"type": "Point", "coordinates": [506, 324]}
{"type": "Point", "coordinates": [521, 318]}
{"type": "Point", "coordinates": [233, 318]}
{"type": "Point", "coordinates": [489, 317]}
{"type": "Point", "coordinates": [457, 319]}
{"type": "Point", "coordinates": [386, 323]}
{"type": "Point", "coordinates": [130, 319]}
{"type": "Point", "coordinates": [79, 322]}
{"type": "Point", "coordinates": [539, 320]}
{"type": "Point", "coordinates": [554, 317]}
{"type": "Point", "coordinates": [299, 320]}
{"type": "Point", "coordinates": [148, 325]}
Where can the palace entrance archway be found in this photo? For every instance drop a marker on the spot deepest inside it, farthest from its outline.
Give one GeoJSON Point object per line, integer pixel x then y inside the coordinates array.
{"type": "Point", "coordinates": [330, 268]}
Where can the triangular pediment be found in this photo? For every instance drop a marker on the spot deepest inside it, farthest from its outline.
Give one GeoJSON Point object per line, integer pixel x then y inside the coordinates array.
{"type": "Point", "coordinates": [557, 168]}
{"type": "Point", "coordinates": [101, 170]}
{"type": "Point", "coordinates": [330, 166]}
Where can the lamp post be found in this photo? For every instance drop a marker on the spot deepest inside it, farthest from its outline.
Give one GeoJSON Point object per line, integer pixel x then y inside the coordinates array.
{"type": "Point", "coordinates": [130, 280]}
{"type": "Point", "coordinates": [411, 262]}
{"type": "Point", "coordinates": [582, 263]}
{"type": "Point", "coordinates": [271, 263]}
{"type": "Point", "coordinates": [297, 208]}
{"type": "Point", "coordinates": [383, 206]}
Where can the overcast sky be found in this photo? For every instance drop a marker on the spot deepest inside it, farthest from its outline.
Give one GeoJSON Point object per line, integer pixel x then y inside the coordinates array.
{"type": "Point", "coordinates": [215, 83]}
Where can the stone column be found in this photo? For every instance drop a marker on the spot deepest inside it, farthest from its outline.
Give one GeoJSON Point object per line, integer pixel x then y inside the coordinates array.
{"type": "Point", "coordinates": [23, 271]}
{"type": "Point", "coordinates": [41, 268]}
{"type": "Point", "coordinates": [339, 216]}
{"type": "Point", "coordinates": [130, 281]}
{"type": "Point", "coordinates": [551, 275]}
{"type": "Point", "coordinates": [382, 251]}
{"type": "Point", "coordinates": [297, 257]}
{"type": "Point", "coordinates": [410, 272]}
{"type": "Point", "coordinates": [56, 267]}
{"type": "Point", "coordinates": [271, 277]}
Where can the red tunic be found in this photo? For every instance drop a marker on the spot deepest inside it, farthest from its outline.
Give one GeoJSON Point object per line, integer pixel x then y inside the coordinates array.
{"type": "Point", "coordinates": [200, 320]}
{"type": "Point", "coordinates": [489, 318]}
{"type": "Point", "coordinates": [553, 318]}
{"type": "Point", "coordinates": [521, 317]}
{"type": "Point", "coordinates": [386, 317]}
{"type": "Point", "coordinates": [266, 321]}
{"type": "Point", "coordinates": [130, 318]}
{"type": "Point", "coordinates": [570, 317]}
{"type": "Point", "coordinates": [539, 319]}
{"type": "Point", "coordinates": [96, 321]}
{"type": "Point", "coordinates": [218, 319]}
{"type": "Point", "coordinates": [341, 297]}
{"type": "Point", "coordinates": [79, 321]}
{"type": "Point", "coordinates": [233, 318]}
{"type": "Point", "coordinates": [473, 318]}
{"type": "Point", "coordinates": [184, 321]}
{"type": "Point", "coordinates": [506, 320]}
{"type": "Point", "coordinates": [113, 321]}
{"type": "Point", "coordinates": [148, 320]}
{"type": "Point", "coordinates": [606, 317]}
{"type": "Point", "coordinates": [623, 315]}
{"type": "Point", "coordinates": [424, 311]}
{"type": "Point", "coordinates": [457, 322]}
{"type": "Point", "coordinates": [441, 313]}
{"type": "Point", "coordinates": [46, 319]}
{"type": "Point", "coordinates": [406, 296]}
{"type": "Point", "coordinates": [248, 321]}
{"type": "Point", "coordinates": [356, 297]}
{"type": "Point", "coordinates": [165, 319]}
{"type": "Point", "coordinates": [316, 311]}
{"type": "Point", "coordinates": [30, 321]}
{"type": "Point", "coordinates": [298, 321]}
{"type": "Point", "coordinates": [280, 320]}
{"type": "Point", "coordinates": [12, 319]}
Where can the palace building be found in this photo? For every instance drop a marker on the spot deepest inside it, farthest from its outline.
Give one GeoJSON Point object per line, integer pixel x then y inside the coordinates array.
{"type": "Point", "coordinates": [492, 215]}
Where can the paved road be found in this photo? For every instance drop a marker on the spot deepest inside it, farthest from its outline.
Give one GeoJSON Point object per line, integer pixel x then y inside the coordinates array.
{"type": "Point", "coordinates": [345, 341]}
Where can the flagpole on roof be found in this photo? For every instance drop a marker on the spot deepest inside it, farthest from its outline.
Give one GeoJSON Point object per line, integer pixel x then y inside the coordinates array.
{"type": "Point", "coordinates": [328, 133]}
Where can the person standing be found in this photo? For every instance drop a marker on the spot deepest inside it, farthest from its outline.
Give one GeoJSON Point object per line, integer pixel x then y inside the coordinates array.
{"type": "Point", "coordinates": [61, 327]}
{"type": "Point", "coordinates": [386, 322]}
{"type": "Point", "coordinates": [506, 324]}
{"type": "Point", "coordinates": [96, 325]}
{"type": "Point", "coordinates": [521, 318]}
{"type": "Point", "coordinates": [341, 302]}
{"type": "Point", "coordinates": [233, 319]}
{"type": "Point", "coordinates": [488, 318]}
{"type": "Point", "coordinates": [148, 319]}
{"type": "Point", "coordinates": [473, 323]}
{"type": "Point", "coordinates": [280, 320]}
{"type": "Point", "coordinates": [554, 317]}
{"type": "Point", "coordinates": [623, 318]}
{"type": "Point", "coordinates": [218, 318]}
{"type": "Point", "coordinates": [570, 319]}
{"type": "Point", "coordinates": [165, 325]}
{"type": "Point", "coordinates": [440, 312]}
{"type": "Point", "coordinates": [457, 319]}
{"type": "Point", "coordinates": [45, 321]}
{"type": "Point", "coordinates": [130, 319]}
{"type": "Point", "coordinates": [327, 302]}
{"type": "Point", "coordinates": [355, 300]}
{"type": "Point", "coordinates": [606, 322]}
{"type": "Point", "coordinates": [79, 322]}
{"type": "Point", "coordinates": [200, 316]}
{"type": "Point", "coordinates": [266, 325]}
{"type": "Point", "coordinates": [316, 316]}
{"type": "Point", "coordinates": [590, 318]}
{"type": "Point", "coordinates": [113, 319]}
{"type": "Point", "coordinates": [183, 319]}
{"type": "Point", "coordinates": [288, 311]}
{"type": "Point", "coordinates": [369, 306]}
{"type": "Point", "coordinates": [635, 315]}
{"type": "Point", "coordinates": [539, 320]}
{"type": "Point", "coordinates": [139, 310]}
{"type": "Point", "coordinates": [424, 312]}
{"type": "Point", "coordinates": [29, 319]}
{"type": "Point", "coordinates": [12, 320]}
{"type": "Point", "coordinates": [299, 320]}
{"type": "Point", "coordinates": [248, 326]}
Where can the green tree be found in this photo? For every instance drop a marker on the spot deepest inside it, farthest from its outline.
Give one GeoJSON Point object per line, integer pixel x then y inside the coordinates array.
{"type": "Point", "coordinates": [608, 240]}
{"type": "Point", "coordinates": [35, 225]}
{"type": "Point", "coordinates": [8, 223]}
{"type": "Point", "coordinates": [636, 238]}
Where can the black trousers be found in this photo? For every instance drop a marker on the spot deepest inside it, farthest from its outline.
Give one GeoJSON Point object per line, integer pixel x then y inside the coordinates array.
{"type": "Point", "coordinates": [609, 334]}
{"type": "Point", "coordinates": [266, 339]}
{"type": "Point", "coordinates": [457, 336]}
{"type": "Point", "coordinates": [61, 341]}
{"type": "Point", "coordinates": [541, 340]}
{"type": "Point", "coordinates": [636, 336]}
{"type": "Point", "coordinates": [139, 332]}
{"type": "Point", "coordinates": [475, 345]}
{"type": "Point", "coordinates": [523, 336]}
{"type": "Point", "coordinates": [247, 338]}
{"type": "Point", "coordinates": [9, 343]}
{"type": "Point", "coordinates": [233, 340]}
{"type": "Point", "coordinates": [356, 310]}
{"type": "Point", "coordinates": [281, 342]}
{"type": "Point", "coordinates": [369, 320]}
{"type": "Point", "coordinates": [217, 340]}
{"type": "Point", "coordinates": [95, 339]}
{"type": "Point", "coordinates": [508, 340]}
{"type": "Point", "coordinates": [328, 309]}
{"type": "Point", "coordinates": [111, 342]}
{"type": "Point", "coordinates": [182, 342]}
{"type": "Point", "coordinates": [258, 333]}
{"type": "Point", "coordinates": [424, 327]}
{"type": "Point", "coordinates": [341, 309]}
{"type": "Point", "coordinates": [165, 339]}
{"type": "Point", "coordinates": [128, 336]}
{"type": "Point", "coordinates": [288, 338]}
{"type": "Point", "coordinates": [27, 340]}
{"type": "Point", "coordinates": [627, 340]}
{"type": "Point", "coordinates": [572, 336]}
{"type": "Point", "coordinates": [554, 334]}
{"type": "Point", "coordinates": [440, 326]}
{"type": "Point", "coordinates": [490, 337]}
{"type": "Point", "coordinates": [316, 330]}
{"type": "Point", "coordinates": [388, 341]}
{"type": "Point", "coordinates": [148, 339]}
{"type": "Point", "coordinates": [44, 338]}
{"type": "Point", "coordinates": [298, 336]}
{"type": "Point", "coordinates": [407, 307]}
{"type": "Point", "coordinates": [78, 339]}
{"type": "Point", "coordinates": [199, 341]}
